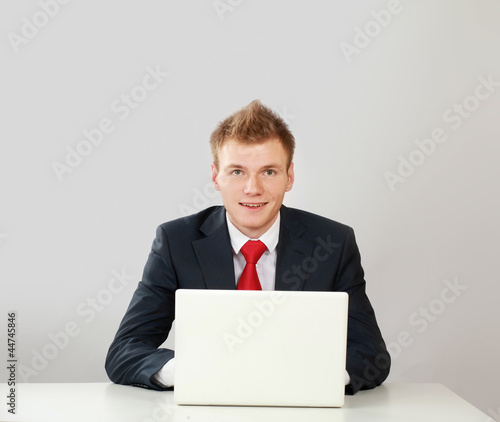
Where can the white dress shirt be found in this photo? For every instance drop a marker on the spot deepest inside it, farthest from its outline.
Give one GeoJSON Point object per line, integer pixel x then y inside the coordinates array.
{"type": "Point", "coordinates": [266, 267]}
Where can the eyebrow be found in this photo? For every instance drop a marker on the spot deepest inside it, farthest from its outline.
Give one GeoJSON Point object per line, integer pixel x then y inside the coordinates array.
{"type": "Point", "coordinates": [267, 166]}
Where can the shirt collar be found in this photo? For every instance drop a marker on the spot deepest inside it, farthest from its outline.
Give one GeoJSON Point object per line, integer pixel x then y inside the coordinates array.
{"type": "Point", "coordinates": [269, 238]}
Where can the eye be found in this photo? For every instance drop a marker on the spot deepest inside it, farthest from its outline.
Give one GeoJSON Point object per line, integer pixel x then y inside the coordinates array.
{"type": "Point", "coordinates": [270, 172]}
{"type": "Point", "coordinates": [237, 172]}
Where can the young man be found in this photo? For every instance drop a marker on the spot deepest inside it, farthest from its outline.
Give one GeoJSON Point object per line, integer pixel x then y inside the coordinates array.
{"type": "Point", "coordinates": [252, 168]}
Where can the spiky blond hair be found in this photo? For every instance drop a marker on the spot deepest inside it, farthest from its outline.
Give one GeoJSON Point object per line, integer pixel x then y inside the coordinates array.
{"type": "Point", "coordinates": [254, 123]}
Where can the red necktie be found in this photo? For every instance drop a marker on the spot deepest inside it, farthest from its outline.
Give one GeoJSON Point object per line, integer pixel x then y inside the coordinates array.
{"type": "Point", "coordinates": [252, 251]}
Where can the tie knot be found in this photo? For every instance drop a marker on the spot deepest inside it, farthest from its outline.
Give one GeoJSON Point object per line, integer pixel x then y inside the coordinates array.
{"type": "Point", "coordinates": [253, 250]}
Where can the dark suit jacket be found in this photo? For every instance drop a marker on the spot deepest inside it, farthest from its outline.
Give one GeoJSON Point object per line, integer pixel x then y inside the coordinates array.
{"type": "Point", "coordinates": [314, 253]}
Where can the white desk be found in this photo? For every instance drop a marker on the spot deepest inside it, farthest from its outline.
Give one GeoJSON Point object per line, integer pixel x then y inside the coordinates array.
{"type": "Point", "coordinates": [109, 402]}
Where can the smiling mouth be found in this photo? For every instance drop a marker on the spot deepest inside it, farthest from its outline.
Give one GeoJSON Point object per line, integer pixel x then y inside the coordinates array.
{"type": "Point", "coordinates": [253, 205]}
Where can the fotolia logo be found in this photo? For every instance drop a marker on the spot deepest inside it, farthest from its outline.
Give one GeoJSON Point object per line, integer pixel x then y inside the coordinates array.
{"type": "Point", "coordinates": [31, 27]}
{"type": "Point", "coordinates": [247, 326]}
{"type": "Point", "coordinates": [372, 29]}
{"type": "Point", "coordinates": [87, 310]}
{"type": "Point", "coordinates": [122, 106]}
{"type": "Point", "coordinates": [454, 116]}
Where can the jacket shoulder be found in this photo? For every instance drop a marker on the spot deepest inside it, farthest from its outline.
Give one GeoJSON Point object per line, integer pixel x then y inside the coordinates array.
{"type": "Point", "coordinates": [191, 223]}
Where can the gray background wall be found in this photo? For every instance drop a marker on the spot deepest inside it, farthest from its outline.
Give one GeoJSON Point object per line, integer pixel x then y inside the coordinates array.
{"type": "Point", "coordinates": [363, 91]}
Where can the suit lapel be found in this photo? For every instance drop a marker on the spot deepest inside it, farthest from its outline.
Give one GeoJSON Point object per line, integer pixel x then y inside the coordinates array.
{"type": "Point", "coordinates": [214, 252]}
{"type": "Point", "coordinates": [292, 251]}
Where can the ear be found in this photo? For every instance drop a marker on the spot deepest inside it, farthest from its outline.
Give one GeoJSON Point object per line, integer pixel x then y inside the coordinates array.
{"type": "Point", "coordinates": [291, 178]}
{"type": "Point", "coordinates": [215, 173]}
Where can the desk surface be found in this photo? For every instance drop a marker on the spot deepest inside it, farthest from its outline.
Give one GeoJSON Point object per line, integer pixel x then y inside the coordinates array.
{"type": "Point", "coordinates": [109, 402]}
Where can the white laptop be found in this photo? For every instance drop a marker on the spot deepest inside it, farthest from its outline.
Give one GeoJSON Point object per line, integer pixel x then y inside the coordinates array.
{"type": "Point", "coordinates": [260, 348]}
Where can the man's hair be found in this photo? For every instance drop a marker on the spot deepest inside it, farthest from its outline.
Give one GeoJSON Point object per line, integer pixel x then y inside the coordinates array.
{"type": "Point", "coordinates": [254, 123]}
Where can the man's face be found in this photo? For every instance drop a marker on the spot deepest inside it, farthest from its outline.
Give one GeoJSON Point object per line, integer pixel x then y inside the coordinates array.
{"type": "Point", "coordinates": [252, 180]}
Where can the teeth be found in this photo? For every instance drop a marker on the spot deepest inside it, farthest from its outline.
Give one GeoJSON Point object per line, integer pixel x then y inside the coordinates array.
{"type": "Point", "coordinates": [253, 205]}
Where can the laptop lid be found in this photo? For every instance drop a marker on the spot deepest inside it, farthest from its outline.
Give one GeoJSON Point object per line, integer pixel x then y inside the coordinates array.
{"type": "Point", "coordinates": [260, 348]}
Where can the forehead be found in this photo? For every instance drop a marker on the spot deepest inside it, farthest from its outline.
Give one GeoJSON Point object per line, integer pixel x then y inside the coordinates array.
{"type": "Point", "coordinates": [234, 151]}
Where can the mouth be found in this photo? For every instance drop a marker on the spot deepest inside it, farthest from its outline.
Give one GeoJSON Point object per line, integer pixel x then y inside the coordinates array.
{"type": "Point", "coordinates": [253, 205]}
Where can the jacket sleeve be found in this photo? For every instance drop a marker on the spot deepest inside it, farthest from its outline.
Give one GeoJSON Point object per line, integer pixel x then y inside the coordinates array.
{"type": "Point", "coordinates": [134, 355]}
{"type": "Point", "coordinates": [367, 360]}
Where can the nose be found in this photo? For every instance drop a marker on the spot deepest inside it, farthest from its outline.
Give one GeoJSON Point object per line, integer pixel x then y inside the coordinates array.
{"type": "Point", "coordinates": [253, 185]}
